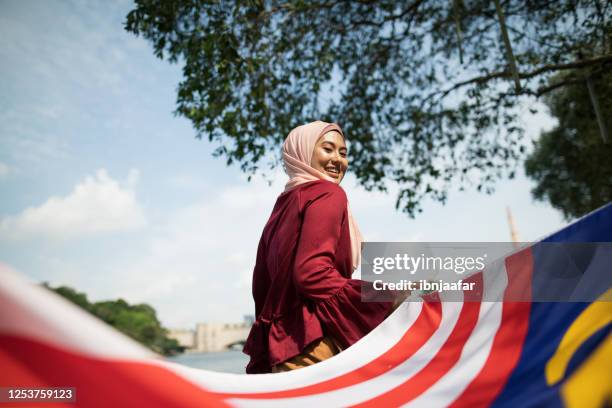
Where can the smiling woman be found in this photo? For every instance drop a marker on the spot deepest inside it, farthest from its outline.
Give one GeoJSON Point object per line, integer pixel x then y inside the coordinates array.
{"type": "Point", "coordinates": [307, 306]}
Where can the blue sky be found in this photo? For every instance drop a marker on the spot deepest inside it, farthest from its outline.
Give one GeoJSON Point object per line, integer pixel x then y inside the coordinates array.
{"type": "Point", "coordinates": [105, 190]}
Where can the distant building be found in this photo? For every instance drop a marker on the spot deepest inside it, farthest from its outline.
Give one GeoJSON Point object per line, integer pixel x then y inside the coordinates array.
{"type": "Point", "coordinates": [185, 337]}
{"type": "Point", "coordinates": [220, 336]}
{"type": "Point", "coordinates": [209, 337]}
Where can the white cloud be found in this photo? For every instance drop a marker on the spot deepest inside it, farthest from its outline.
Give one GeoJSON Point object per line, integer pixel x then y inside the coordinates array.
{"type": "Point", "coordinates": [198, 264]}
{"type": "Point", "coordinates": [96, 205]}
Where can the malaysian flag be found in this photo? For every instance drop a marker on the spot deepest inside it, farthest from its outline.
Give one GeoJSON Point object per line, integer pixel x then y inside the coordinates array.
{"type": "Point", "coordinates": [431, 354]}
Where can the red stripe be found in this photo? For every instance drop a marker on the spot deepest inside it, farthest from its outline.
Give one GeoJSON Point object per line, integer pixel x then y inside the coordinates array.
{"type": "Point", "coordinates": [99, 383]}
{"type": "Point", "coordinates": [413, 339]}
{"type": "Point", "coordinates": [440, 364]}
{"type": "Point", "coordinates": [508, 342]}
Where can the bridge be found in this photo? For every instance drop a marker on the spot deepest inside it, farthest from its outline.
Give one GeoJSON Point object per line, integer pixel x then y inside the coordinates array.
{"type": "Point", "coordinates": [213, 336]}
{"type": "Point", "coordinates": [220, 336]}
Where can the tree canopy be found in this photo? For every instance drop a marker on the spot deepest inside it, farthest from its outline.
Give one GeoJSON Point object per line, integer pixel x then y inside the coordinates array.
{"type": "Point", "coordinates": [429, 93]}
{"type": "Point", "coordinates": [571, 163]}
{"type": "Point", "coordinates": [137, 321]}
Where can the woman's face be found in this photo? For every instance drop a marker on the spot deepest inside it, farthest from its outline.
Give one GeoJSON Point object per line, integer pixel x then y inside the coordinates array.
{"type": "Point", "coordinates": [329, 155]}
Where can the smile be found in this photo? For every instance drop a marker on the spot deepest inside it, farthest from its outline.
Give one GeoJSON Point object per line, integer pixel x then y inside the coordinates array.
{"type": "Point", "coordinates": [333, 171]}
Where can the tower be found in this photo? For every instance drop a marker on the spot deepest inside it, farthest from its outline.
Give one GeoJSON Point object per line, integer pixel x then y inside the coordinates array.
{"type": "Point", "coordinates": [513, 233]}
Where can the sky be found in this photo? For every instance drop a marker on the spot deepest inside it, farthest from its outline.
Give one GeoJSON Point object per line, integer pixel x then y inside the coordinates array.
{"type": "Point", "coordinates": [104, 189]}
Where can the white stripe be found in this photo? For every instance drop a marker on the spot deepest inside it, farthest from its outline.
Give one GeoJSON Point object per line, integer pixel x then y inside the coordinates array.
{"type": "Point", "coordinates": [472, 359]}
{"type": "Point", "coordinates": [378, 385]}
{"type": "Point", "coordinates": [34, 312]}
{"type": "Point", "coordinates": [496, 281]}
{"type": "Point", "coordinates": [382, 338]}
{"type": "Point", "coordinates": [477, 348]}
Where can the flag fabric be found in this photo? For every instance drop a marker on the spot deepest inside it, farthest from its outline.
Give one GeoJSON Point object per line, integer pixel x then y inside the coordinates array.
{"type": "Point", "coordinates": [426, 354]}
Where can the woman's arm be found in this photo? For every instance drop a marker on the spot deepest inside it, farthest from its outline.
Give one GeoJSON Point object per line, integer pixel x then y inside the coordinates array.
{"type": "Point", "coordinates": [315, 275]}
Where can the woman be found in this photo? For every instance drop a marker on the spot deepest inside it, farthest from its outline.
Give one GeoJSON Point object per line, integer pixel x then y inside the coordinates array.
{"type": "Point", "coordinates": [307, 306]}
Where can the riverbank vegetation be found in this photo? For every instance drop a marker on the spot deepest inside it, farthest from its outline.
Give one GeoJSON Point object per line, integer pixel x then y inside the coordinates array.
{"type": "Point", "coordinates": [138, 321]}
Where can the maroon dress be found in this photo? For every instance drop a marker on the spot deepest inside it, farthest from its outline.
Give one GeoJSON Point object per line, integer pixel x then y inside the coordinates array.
{"type": "Point", "coordinates": [301, 281]}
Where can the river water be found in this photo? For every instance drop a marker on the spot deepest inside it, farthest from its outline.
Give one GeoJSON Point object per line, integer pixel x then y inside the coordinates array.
{"type": "Point", "coordinates": [231, 361]}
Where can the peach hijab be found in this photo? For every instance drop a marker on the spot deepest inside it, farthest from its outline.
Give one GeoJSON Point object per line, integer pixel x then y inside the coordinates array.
{"type": "Point", "coordinates": [297, 155]}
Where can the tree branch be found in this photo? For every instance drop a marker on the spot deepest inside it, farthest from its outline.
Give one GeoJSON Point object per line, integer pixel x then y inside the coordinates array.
{"type": "Point", "coordinates": [412, 8]}
{"type": "Point", "coordinates": [526, 75]}
{"type": "Point", "coordinates": [546, 89]}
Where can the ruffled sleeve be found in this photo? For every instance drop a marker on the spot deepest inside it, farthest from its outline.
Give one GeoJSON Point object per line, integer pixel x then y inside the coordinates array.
{"type": "Point", "coordinates": [337, 300]}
